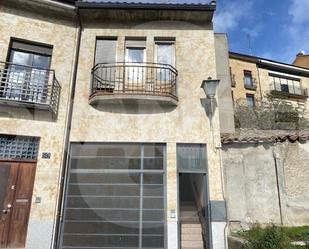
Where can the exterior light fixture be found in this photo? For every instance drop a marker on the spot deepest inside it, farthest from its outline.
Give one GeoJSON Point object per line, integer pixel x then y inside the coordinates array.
{"type": "Point", "coordinates": [210, 87]}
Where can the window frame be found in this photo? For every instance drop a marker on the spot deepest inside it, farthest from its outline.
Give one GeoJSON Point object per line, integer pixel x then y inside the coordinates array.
{"type": "Point", "coordinates": [253, 99]}
{"type": "Point", "coordinates": [249, 74]}
{"type": "Point", "coordinates": [170, 42]}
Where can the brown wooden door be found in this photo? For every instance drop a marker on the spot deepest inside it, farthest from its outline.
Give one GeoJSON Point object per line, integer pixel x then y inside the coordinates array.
{"type": "Point", "coordinates": [16, 186]}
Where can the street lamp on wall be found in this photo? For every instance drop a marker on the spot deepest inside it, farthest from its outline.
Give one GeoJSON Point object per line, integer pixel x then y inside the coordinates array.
{"type": "Point", "coordinates": [210, 87]}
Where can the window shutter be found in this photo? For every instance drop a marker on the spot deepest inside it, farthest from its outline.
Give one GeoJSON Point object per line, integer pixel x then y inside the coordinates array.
{"type": "Point", "coordinates": [32, 47]}
{"type": "Point", "coordinates": [105, 51]}
{"type": "Point", "coordinates": [136, 43]}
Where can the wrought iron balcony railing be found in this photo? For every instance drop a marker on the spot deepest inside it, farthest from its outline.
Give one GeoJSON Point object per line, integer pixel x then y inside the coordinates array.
{"type": "Point", "coordinates": [288, 90]}
{"type": "Point", "coordinates": [127, 78]}
{"type": "Point", "coordinates": [29, 86]}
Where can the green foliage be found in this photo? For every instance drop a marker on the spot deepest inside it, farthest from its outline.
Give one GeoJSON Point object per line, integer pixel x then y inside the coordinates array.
{"type": "Point", "coordinates": [297, 233]}
{"type": "Point", "coordinates": [271, 114]}
{"type": "Point", "coordinates": [270, 237]}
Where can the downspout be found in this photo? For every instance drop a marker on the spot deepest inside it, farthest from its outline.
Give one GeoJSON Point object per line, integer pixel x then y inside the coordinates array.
{"type": "Point", "coordinates": [278, 187]}
{"type": "Point", "coordinates": [67, 135]}
{"type": "Point", "coordinates": [259, 79]}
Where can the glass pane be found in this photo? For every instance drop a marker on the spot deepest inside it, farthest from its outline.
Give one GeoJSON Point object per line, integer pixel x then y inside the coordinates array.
{"type": "Point", "coordinates": [4, 175]}
{"type": "Point", "coordinates": [135, 54]}
{"type": "Point", "coordinates": [250, 101]}
{"type": "Point", "coordinates": [41, 61]}
{"type": "Point", "coordinates": [192, 157]}
{"type": "Point", "coordinates": [164, 53]}
{"type": "Point", "coordinates": [248, 79]}
{"type": "Point", "coordinates": [106, 163]}
{"type": "Point", "coordinates": [21, 58]}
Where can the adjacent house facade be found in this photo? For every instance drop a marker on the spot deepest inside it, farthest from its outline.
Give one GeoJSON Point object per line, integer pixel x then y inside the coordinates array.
{"type": "Point", "coordinates": [254, 78]}
{"type": "Point", "coordinates": [107, 139]}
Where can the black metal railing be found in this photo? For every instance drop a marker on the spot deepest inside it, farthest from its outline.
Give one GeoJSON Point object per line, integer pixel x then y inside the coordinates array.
{"type": "Point", "coordinates": [134, 78]}
{"type": "Point", "coordinates": [288, 90]}
{"type": "Point", "coordinates": [29, 85]}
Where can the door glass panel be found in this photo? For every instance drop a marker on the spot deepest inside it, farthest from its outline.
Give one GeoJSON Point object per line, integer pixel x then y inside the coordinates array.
{"type": "Point", "coordinates": [135, 71]}
{"type": "Point", "coordinates": [4, 176]}
{"type": "Point", "coordinates": [27, 77]}
{"type": "Point", "coordinates": [164, 56]}
{"type": "Point", "coordinates": [18, 74]}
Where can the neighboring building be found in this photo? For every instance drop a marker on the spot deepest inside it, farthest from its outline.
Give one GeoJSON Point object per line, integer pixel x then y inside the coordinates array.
{"type": "Point", "coordinates": [106, 137]}
{"type": "Point", "coordinates": [302, 60]}
{"type": "Point", "coordinates": [253, 78]}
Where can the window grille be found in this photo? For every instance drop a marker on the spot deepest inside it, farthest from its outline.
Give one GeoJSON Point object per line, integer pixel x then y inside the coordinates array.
{"type": "Point", "coordinates": [18, 147]}
{"type": "Point", "coordinates": [191, 157]}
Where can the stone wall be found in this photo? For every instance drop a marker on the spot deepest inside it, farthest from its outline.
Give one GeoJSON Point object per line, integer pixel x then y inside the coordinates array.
{"type": "Point", "coordinates": [267, 183]}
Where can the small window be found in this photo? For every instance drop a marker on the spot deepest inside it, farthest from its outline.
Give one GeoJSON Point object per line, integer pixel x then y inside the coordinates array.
{"type": "Point", "coordinates": [248, 78]}
{"type": "Point", "coordinates": [250, 100]}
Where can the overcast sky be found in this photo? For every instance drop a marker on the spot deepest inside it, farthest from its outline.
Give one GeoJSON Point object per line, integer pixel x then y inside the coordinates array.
{"type": "Point", "coordinates": [275, 29]}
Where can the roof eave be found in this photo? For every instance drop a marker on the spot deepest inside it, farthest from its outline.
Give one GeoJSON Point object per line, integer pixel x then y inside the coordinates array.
{"type": "Point", "coordinates": [143, 6]}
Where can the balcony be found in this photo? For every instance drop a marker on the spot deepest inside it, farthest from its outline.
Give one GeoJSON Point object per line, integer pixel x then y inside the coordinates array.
{"type": "Point", "coordinates": [250, 84]}
{"type": "Point", "coordinates": [30, 87]}
{"type": "Point", "coordinates": [137, 83]}
{"type": "Point", "coordinates": [289, 91]}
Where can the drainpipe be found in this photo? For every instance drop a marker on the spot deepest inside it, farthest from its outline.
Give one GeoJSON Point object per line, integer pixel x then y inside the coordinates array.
{"type": "Point", "coordinates": [278, 187]}
{"type": "Point", "coordinates": [67, 136]}
{"type": "Point", "coordinates": [259, 79]}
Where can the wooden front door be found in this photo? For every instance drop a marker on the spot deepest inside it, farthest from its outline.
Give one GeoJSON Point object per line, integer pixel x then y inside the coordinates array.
{"type": "Point", "coordinates": [16, 186]}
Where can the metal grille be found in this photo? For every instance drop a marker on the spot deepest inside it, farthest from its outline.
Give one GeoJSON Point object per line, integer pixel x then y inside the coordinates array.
{"type": "Point", "coordinates": [115, 197]}
{"type": "Point", "coordinates": [29, 85]}
{"type": "Point", "coordinates": [13, 147]}
{"type": "Point", "coordinates": [192, 157]}
{"type": "Point", "coordinates": [134, 78]}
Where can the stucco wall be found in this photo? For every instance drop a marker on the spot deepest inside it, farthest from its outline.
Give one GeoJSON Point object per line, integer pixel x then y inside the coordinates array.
{"type": "Point", "coordinates": [226, 110]}
{"type": "Point", "coordinates": [33, 26]}
{"type": "Point", "coordinates": [253, 187]}
{"type": "Point", "coordinates": [186, 123]}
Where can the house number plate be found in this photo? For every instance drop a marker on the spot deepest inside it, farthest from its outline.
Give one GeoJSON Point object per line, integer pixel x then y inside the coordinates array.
{"type": "Point", "coordinates": [46, 155]}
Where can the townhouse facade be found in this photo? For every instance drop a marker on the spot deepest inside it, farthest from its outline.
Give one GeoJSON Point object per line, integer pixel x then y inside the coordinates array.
{"type": "Point", "coordinates": [254, 78]}
{"type": "Point", "coordinates": [107, 138]}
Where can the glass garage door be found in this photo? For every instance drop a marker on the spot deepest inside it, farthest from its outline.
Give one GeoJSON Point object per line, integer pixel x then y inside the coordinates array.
{"type": "Point", "coordinates": [115, 197]}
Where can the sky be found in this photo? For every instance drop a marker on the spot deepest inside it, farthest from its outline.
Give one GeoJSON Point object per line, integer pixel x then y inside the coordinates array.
{"type": "Point", "coordinates": [272, 29]}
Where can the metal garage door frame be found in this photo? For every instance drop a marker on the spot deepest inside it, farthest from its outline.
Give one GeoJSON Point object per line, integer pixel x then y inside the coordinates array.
{"type": "Point", "coordinates": [141, 172]}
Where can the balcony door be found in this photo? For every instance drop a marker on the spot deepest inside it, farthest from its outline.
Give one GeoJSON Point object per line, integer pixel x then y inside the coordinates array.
{"type": "Point", "coordinates": [27, 73]}
{"type": "Point", "coordinates": [135, 59]}
{"type": "Point", "coordinates": [165, 57]}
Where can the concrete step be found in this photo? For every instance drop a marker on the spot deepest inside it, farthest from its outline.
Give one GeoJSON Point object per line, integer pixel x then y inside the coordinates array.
{"type": "Point", "coordinates": [188, 208]}
{"type": "Point", "coordinates": [193, 244]}
{"type": "Point", "coordinates": [191, 229]}
{"type": "Point", "coordinates": [188, 213]}
{"type": "Point", "coordinates": [191, 237]}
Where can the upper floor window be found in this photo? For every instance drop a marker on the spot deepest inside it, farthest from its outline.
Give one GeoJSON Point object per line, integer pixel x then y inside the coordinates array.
{"type": "Point", "coordinates": [27, 72]}
{"type": "Point", "coordinates": [105, 50]}
{"type": "Point", "coordinates": [248, 78]}
{"type": "Point", "coordinates": [250, 100]}
{"type": "Point", "coordinates": [135, 50]}
{"type": "Point", "coordinates": [286, 84]}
